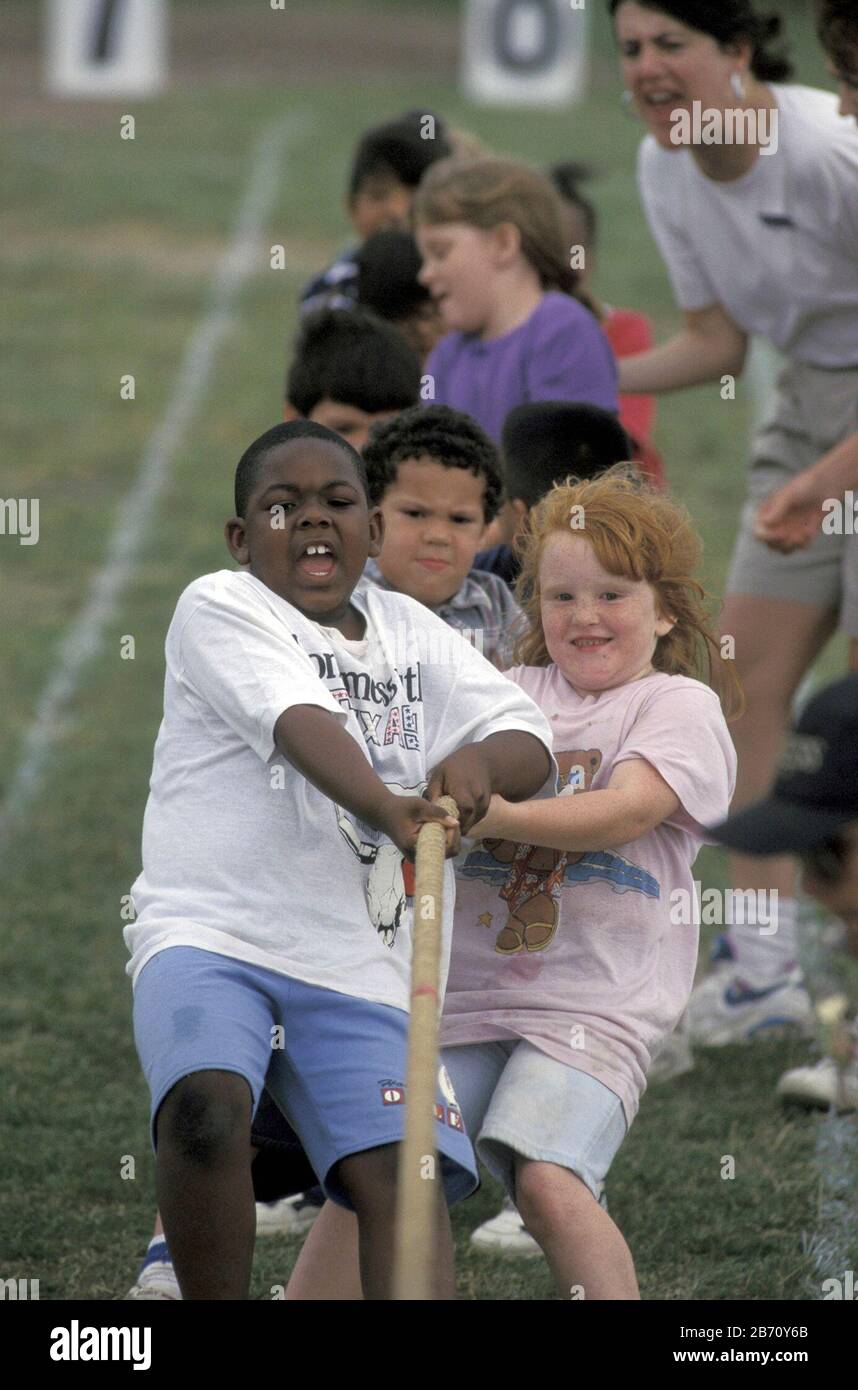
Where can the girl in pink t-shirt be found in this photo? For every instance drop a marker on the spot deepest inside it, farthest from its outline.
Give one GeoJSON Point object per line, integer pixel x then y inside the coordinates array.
{"type": "Point", "coordinates": [575, 936]}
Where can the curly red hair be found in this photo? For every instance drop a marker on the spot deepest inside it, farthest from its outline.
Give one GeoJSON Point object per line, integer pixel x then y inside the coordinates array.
{"type": "Point", "coordinates": [642, 534]}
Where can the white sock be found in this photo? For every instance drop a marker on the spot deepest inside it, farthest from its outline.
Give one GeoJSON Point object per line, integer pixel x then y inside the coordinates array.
{"type": "Point", "coordinates": [762, 955]}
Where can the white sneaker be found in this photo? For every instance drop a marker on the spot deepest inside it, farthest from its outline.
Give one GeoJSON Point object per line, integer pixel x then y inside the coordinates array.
{"type": "Point", "coordinates": [157, 1279]}
{"type": "Point", "coordinates": [824, 1085]}
{"type": "Point", "coordinates": [505, 1234]}
{"type": "Point", "coordinates": [291, 1216]}
{"type": "Point", "coordinates": [724, 1009]}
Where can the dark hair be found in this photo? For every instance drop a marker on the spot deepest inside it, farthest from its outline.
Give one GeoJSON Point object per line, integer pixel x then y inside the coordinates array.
{"type": "Point", "coordinates": [447, 436]}
{"type": "Point", "coordinates": [351, 356]}
{"type": "Point", "coordinates": [399, 147]}
{"type": "Point", "coordinates": [567, 179]}
{"type": "Point", "coordinates": [388, 265]}
{"type": "Point", "coordinates": [728, 21]}
{"type": "Point", "coordinates": [251, 462]}
{"type": "Point", "coordinates": [545, 442]}
{"type": "Point", "coordinates": [837, 27]}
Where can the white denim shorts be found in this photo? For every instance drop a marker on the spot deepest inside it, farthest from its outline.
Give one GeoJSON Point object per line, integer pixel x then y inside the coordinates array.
{"type": "Point", "coordinates": [518, 1100]}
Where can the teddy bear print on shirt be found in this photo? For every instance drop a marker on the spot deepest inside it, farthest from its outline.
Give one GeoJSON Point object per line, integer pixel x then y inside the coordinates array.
{"type": "Point", "coordinates": [530, 877]}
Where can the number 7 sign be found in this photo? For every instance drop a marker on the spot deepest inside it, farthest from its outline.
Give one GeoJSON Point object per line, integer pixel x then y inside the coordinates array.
{"type": "Point", "coordinates": [106, 48]}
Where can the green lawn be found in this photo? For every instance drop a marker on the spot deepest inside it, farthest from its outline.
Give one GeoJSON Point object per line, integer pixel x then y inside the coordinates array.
{"type": "Point", "coordinates": [107, 251]}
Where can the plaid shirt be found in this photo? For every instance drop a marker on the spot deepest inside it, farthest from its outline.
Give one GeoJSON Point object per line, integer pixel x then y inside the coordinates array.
{"type": "Point", "coordinates": [483, 610]}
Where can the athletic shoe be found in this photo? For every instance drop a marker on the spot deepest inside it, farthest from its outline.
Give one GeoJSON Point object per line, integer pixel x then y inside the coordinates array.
{"type": "Point", "coordinates": [724, 1009]}
{"type": "Point", "coordinates": [822, 1086]}
{"type": "Point", "coordinates": [291, 1216]}
{"type": "Point", "coordinates": [506, 1234]}
{"type": "Point", "coordinates": [825, 1085]}
{"type": "Point", "coordinates": [157, 1278]}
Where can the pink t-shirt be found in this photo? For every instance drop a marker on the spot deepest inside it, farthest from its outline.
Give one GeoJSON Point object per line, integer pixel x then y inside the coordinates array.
{"type": "Point", "coordinates": [577, 952]}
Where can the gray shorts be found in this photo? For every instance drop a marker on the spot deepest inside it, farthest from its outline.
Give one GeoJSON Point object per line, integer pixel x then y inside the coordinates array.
{"type": "Point", "coordinates": [517, 1100]}
{"type": "Point", "coordinates": [815, 409]}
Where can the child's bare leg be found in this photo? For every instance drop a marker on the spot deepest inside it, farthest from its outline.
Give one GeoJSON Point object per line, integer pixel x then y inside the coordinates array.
{"type": "Point", "coordinates": [581, 1243]}
{"type": "Point", "coordinates": [202, 1178]}
{"type": "Point", "coordinates": [158, 1228]}
{"type": "Point", "coordinates": [328, 1267]}
{"type": "Point", "coordinates": [369, 1179]}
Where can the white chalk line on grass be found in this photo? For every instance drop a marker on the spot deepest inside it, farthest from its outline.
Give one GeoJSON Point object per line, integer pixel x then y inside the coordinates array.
{"type": "Point", "coordinates": [84, 638]}
{"type": "Point", "coordinates": [833, 1246]}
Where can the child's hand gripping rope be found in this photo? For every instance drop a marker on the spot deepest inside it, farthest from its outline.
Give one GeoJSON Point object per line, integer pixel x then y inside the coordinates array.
{"type": "Point", "coordinates": [404, 816]}
{"type": "Point", "coordinates": [466, 777]}
{"type": "Point", "coordinates": [418, 1191]}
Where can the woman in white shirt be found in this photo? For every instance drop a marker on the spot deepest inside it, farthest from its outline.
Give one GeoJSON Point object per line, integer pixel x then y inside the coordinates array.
{"type": "Point", "coordinates": [791, 517]}
{"type": "Point", "coordinates": [750, 186]}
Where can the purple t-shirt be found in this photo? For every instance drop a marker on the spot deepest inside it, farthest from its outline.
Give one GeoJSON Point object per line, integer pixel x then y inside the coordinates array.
{"type": "Point", "coordinates": [558, 354]}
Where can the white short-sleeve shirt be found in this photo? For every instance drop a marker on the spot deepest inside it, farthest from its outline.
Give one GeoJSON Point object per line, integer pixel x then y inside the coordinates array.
{"type": "Point", "coordinates": [777, 248]}
{"type": "Point", "coordinates": [245, 857]}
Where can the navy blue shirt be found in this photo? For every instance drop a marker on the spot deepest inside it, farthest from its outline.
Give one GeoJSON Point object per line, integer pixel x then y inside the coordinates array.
{"type": "Point", "coordinates": [499, 560]}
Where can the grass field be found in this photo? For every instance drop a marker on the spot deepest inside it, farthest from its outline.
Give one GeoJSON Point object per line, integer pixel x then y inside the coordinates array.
{"type": "Point", "coordinates": [108, 248]}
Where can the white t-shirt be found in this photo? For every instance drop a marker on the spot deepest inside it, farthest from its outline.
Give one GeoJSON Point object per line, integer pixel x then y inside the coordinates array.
{"type": "Point", "coordinates": [241, 854]}
{"type": "Point", "coordinates": [777, 248]}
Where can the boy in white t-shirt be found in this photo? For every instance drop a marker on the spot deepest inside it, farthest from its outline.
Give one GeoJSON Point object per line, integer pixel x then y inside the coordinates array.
{"type": "Point", "coordinates": [301, 726]}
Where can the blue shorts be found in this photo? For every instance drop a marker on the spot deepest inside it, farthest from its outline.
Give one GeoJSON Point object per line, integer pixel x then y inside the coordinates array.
{"type": "Point", "coordinates": [334, 1064]}
{"type": "Point", "coordinates": [518, 1100]}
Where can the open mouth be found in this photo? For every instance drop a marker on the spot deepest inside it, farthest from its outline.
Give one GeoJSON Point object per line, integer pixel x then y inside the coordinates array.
{"type": "Point", "coordinates": [661, 100]}
{"type": "Point", "coordinates": [590, 644]}
{"type": "Point", "coordinates": [317, 560]}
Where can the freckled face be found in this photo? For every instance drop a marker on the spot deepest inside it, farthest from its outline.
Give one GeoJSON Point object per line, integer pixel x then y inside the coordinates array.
{"type": "Point", "coordinates": [433, 525]}
{"type": "Point", "coordinates": [601, 629]}
{"type": "Point", "coordinates": [667, 66]}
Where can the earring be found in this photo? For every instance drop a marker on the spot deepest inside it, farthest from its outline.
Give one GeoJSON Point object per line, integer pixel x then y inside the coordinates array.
{"type": "Point", "coordinates": [738, 85]}
{"type": "Point", "coordinates": [626, 99]}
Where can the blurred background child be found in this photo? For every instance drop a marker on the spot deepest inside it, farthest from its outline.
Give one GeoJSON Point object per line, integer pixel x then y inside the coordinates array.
{"type": "Point", "coordinates": [543, 443]}
{"type": "Point", "coordinates": [493, 239]}
{"type": "Point", "coordinates": [387, 165]}
{"type": "Point", "coordinates": [436, 477]}
{"type": "Point", "coordinates": [348, 370]}
{"type": "Point", "coordinates": [389, 264]}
